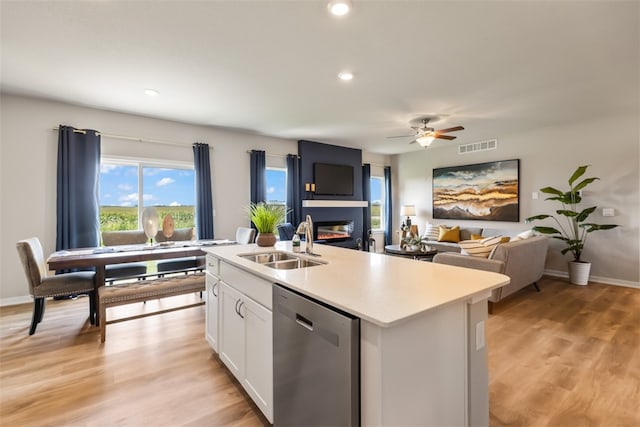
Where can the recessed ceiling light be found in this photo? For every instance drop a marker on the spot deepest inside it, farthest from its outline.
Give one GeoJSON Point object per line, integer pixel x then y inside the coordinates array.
{"type": "Point", "coordinates": [346, 76]}
{"type": "Point", "coordinates": [151, 92]}
{"type": "Point", "coordinates": [339, 7]}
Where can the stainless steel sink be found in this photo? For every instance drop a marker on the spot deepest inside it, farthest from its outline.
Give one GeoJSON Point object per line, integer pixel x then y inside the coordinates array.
{"type": "Point", "coordinates": [268, 257]}
{"type": "Point", "coordinates": [281, 260]}
{"type": "Point", "coordinates": [292, 264]}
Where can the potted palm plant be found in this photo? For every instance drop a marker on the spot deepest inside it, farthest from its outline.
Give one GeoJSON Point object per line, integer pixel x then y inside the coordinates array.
{"type": "Point", "coordinates": [266, 217]}
{"type": "Point", "coordinates": [575, 229]}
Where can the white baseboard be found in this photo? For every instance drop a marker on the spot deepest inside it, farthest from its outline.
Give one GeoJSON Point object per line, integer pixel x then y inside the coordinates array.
{"type": "Point", "coordinates": [596, 279]}
{"type": "Point", "coordinates": [4, 302]}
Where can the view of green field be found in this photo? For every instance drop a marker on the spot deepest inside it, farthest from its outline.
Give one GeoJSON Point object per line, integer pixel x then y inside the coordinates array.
{"type": "Point", "coordinates": [114, 218]}
{"type": "Point", "coordinates": [376, 216]}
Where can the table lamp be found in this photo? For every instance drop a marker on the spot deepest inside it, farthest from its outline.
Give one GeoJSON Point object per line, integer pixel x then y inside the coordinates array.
{"type": "Point", "coordinates": [408, 211]}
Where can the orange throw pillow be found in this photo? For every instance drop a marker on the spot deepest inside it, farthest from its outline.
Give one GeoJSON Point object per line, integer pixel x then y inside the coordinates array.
{"type": "Point", "coordinates": [449, 234]}
{"type": "Point", "coordinates": [476, 237]}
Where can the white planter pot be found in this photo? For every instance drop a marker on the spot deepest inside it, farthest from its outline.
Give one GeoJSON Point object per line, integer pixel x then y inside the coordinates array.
{"type": "Point", "coordinates": [579, 272]}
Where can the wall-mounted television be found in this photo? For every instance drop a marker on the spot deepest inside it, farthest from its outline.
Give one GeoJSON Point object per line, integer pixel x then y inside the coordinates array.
{"type": "Point", "coordinates": [333, 180]}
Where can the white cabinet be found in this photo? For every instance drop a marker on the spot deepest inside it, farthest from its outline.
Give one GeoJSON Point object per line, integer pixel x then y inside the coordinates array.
{"type": "Point", "coordinates": [213, 291]}
{"type": "Point", "coordinates": [258, 361]}
{"type": "Point", "coordinates": [211, 314]}
{"type": "Point", "coordinates": [232, 325]}
{"type": "Point", "coordinates": [245, 343]}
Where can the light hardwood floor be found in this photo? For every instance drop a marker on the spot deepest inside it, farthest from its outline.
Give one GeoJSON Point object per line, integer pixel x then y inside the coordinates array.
{"type": "Point", "coordinates": [567, 356]}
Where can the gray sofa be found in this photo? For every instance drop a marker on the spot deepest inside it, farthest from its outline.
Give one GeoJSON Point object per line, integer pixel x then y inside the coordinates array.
{"type": "Point", "coordinates": [465, 234]}
{"type": "Point", "coordinates": [522, 260]}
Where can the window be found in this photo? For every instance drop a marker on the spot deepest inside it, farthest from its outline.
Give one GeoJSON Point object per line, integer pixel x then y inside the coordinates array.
{"type": "Point", "coordinates": [276, 184]}
{"type": "Point", "coordinates": [170, 188]}
{"type": "Point", "coordinates": [377, 202]}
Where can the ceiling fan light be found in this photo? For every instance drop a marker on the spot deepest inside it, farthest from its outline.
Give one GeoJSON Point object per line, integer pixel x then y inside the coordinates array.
{"type": "Point", "coordinates": [425, 140]}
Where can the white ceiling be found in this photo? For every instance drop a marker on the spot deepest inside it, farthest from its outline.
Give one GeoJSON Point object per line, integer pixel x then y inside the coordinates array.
{"type": "Point", "coordinates": [270, 67]}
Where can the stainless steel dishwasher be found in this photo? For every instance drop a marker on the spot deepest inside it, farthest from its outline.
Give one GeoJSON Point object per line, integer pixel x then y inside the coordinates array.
{"type": "Point", "coordinates": [316, 363]}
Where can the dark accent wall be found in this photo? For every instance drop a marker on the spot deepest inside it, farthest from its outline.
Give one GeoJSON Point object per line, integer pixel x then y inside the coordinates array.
{"type": "Point", "coordinates": [315, 152]}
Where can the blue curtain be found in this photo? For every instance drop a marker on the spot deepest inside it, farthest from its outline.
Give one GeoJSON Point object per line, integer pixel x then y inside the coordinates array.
{"type": "Point", "coordinates": [293, 190]}
{"type": "Point", "coordinates": [204, 199]}
{"type": "Point", "coordinates": [366, 193]}
{"type": "Point", "coordinates": [388, 211]}
{"type": "Point", "coordinates": [257, 171]}
{"type": "Point", "coordinates": [77, 200]}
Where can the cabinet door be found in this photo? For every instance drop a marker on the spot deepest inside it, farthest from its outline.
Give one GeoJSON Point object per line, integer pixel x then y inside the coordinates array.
{"type": "Point", "coordinates": [231, 328]}
{"type": "Point", "coordinates": [211, 314]}
{"type": "Point", "coordinates": [258, 367]}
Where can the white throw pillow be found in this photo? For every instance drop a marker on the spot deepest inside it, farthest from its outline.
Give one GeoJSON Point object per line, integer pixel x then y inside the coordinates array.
{"type": "Point", "coordinates": [432, 232]}
{"type": "Point", "coordinates": [524, 235]}
{"type": "Point", "coordinates": [480, 248]}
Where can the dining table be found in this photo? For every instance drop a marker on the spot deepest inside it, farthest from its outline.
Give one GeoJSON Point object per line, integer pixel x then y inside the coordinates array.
{"type": "Point", "coordinates": [99, 257]}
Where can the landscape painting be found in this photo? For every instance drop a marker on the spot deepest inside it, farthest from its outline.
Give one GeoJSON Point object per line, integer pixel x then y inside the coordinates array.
{"type": "Point", "coordinates": [484, 191]}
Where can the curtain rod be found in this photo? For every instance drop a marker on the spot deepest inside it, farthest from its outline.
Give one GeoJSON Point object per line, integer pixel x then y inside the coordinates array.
{"type": "Point", "coordinates": [134, 138]}
{"type": "Point", "coordinates": [273, 155]}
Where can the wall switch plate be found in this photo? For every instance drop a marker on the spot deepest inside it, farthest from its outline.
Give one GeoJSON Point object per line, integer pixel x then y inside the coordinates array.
{"type": "Point", "coordinates": [479, 335]}
{"type": "Point", "coordinates": [608, 212]}
{"type": "Point", "coordinates": [534, 195]}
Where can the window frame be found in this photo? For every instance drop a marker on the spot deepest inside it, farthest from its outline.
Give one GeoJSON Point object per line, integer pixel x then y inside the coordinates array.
{"type": "Point", "coordinates": [141, 163]}
{"type": "Point", "coordinates": [281, 169]}
{"type": "Point", "coordinates": [382, 202]}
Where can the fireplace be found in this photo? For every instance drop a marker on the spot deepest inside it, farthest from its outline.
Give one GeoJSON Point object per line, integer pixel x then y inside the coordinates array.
{"type": "Point", "coordinates": [333, 231]}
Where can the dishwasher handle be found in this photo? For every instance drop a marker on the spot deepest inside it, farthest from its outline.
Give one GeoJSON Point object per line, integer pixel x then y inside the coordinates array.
{"type": "Point", "coordinates": [304, 322]}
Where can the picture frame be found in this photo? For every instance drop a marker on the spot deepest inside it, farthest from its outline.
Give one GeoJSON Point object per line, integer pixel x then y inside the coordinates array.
{"type": "Point", "coordinates": [483, 191]}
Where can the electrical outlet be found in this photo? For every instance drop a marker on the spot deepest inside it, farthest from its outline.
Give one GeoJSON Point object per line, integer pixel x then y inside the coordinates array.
{"type": "Point", "coordinates": [608, 212]}
{"type": "Point", "coordinates": [534, 195]}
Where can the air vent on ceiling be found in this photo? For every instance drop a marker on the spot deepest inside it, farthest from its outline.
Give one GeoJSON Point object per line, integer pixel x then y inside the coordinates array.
{"type": "Point", "coordinates": [490, 144]}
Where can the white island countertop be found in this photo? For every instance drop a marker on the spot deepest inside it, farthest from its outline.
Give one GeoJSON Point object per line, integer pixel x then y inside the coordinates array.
{"type": "Point", "coordinates": [382, 289]}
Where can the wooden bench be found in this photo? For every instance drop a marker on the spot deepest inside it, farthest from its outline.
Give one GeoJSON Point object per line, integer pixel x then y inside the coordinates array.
{"type": "Point", "coordinates": [114, 295]}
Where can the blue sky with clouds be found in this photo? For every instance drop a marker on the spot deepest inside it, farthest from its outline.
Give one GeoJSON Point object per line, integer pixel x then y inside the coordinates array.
{"type": "Point", "coordinates": [161, 186]}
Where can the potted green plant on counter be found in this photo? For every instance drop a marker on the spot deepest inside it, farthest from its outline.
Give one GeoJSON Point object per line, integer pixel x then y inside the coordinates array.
{"type": "Point", "coordinates": [573, 231]}
{"type": "Point", "coordinates": [266, 217]}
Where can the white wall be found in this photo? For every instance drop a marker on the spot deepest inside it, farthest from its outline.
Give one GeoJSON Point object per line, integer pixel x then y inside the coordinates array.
{"type": "Point", "coordinates": [548, 156]}
{"type": "Point", "coordinates": [28, 153]}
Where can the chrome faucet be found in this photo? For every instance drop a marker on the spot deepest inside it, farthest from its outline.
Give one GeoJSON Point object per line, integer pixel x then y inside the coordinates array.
{"type": "Point", "coordinates": [307, 227]}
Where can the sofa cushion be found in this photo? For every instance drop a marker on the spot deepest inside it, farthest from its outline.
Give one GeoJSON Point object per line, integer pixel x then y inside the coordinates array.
{"type": "Point", "coordinates": [449, 234]}
{"type": "Point", "coordinates": [480, 248]}
{"type": "Point", "coordinates": [466, 233]}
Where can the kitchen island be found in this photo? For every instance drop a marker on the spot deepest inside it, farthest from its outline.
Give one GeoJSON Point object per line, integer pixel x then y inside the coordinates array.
{"type": "Point", "coordinates": [422, 350]}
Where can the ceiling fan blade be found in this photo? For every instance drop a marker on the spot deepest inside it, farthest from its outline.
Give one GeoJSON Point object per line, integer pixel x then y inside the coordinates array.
{"type": "Point", "coordinates": [453, 129]}
{"type": "Point", "coordinates": [401, 136]}
{"type": "Point", "coordinates": [447, 137]}
{"type": "Point", "coordinates": [413, 142]}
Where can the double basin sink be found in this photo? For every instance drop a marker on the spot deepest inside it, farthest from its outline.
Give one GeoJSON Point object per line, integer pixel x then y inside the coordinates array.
{"type": "Point", "coordinates": [281, 260]}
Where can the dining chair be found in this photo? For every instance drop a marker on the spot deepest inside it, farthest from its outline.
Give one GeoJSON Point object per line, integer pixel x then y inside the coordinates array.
{"type": "Point", "coordinates": [41, 286]}
{"type": "Point", "coordinates": [179, 264]}
{"type": "Point", "coordinates": [124, 237]}
{"type": "Point", "coordinates": [245, 235]}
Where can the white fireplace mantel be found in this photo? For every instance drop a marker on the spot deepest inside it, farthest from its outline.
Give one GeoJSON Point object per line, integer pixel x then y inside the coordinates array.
{"type": "Point", "coordinates": [334, 203]}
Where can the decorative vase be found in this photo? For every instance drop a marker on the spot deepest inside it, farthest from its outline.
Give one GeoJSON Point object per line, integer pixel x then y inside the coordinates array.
{"type": "Point", "coordinates": [266, 239]}
{"type": "Point", "coordinates": [579, 272]}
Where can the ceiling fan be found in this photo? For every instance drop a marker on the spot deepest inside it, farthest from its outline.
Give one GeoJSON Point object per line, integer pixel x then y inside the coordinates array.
{"type": "Point", "coordinates": [425, 135]}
